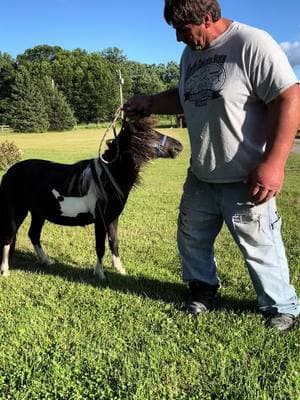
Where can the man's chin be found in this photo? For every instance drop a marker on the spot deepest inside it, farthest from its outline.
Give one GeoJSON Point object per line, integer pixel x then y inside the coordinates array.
{"type": "Point", "coordinates": [195, 47]}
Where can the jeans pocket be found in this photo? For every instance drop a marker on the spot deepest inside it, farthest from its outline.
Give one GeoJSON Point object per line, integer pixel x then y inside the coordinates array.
{"type": "Point", "coordinates": [247, 227]}
{"type": "Point", "coordinates": [259, 226]}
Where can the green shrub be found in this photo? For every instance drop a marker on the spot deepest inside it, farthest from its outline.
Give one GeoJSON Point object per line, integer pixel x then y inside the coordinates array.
{"type": "Point", "coordinates": [9, 154]}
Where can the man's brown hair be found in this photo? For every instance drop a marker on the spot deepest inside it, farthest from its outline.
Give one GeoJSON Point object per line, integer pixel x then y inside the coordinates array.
{"type": "Point", "coordinates": [181, 12]}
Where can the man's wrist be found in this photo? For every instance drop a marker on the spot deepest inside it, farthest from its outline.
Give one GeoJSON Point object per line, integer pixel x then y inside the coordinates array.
{"type": "Point", "coordinates": [151, 103]}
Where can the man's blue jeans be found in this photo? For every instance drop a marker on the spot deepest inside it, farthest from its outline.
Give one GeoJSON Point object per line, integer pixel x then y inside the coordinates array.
{"type": "Point", "coordinates": [256, 230]}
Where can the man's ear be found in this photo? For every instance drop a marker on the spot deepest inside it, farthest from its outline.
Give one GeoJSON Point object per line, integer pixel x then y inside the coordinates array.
{"type": "Point", "coordinates": [208, 21]}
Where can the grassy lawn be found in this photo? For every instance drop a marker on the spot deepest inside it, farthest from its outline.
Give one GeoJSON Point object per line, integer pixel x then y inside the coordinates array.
{"type": "Point", "coordinates": [65, 336]}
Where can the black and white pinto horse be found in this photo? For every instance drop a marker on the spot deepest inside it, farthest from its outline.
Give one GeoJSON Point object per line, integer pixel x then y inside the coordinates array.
{"type": "Point", "coordinates": [89, 191]}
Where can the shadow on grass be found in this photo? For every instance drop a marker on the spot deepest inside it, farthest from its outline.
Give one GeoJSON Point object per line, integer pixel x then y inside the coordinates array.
{"type": "Point", "coordinates": [168, 292]}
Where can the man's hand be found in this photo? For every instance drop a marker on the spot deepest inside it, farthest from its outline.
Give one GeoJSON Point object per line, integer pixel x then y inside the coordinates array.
{"type": "Point", "coordinates": [283, 120]}
{"type": "Point", "coordinates": [166, 102]}
{"type": "Point", "coordinates": [265, 181]}
{"type": "Point", "coordinates": [138, 106]}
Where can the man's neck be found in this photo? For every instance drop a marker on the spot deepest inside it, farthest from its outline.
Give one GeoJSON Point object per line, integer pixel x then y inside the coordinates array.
{"type": "Point", "coordinates": [218, 28]}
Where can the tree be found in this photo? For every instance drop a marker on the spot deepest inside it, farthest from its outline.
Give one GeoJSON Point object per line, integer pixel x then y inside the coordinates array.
{"type": "Point", "coordinates": [61, 117]}
{"type": "Point", "coordinates": [114, 55]}
{"type": "Point", "coordinates": [27, 109]}
{"type": "Point", "coordinates": [170, 74]}
{"type": "Point", "coordinates": [89, 82]}
{"type": "Point", "coordinates": [7, 71]}
{"type": "Point", "coordinates": [39, 53]}
{"type": "Point", "coordinates": [145, 79]}
{"type": "Point", "coordinates": [119, 62]}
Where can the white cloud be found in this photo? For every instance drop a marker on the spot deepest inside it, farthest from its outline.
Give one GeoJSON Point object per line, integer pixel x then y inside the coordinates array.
{"type": "Point", "coordinates": [293, 52]}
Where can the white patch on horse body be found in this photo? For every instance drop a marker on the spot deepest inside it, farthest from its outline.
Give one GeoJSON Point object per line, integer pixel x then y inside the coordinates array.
{"type": "Point", "coordinates": [42, 257]}
{"type": "Point", "coordinates": [72, 206]}
{"type": "Point", "coordinates": [117, 265]}
{"type": "Point", "coordinates": [4, 268]}
{"type": "Point", "coordinates": [99, 271]}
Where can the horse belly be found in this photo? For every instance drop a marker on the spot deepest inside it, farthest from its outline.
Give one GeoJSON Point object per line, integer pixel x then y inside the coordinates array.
{"type": "Point", "coordinates": [80, 220]}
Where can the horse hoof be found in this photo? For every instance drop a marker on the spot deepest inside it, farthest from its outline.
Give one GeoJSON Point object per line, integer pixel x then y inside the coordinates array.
{"type": "Point", "coordinates": [122, 272]}
{"type": "Point", "coordinates": [118, 266]}
{"type": "Point", "coordinates": [100, 276]}
{"type": "Point", "coordinates": [5, 273]}
{"type": "Point", "coordinates": [46, 263]}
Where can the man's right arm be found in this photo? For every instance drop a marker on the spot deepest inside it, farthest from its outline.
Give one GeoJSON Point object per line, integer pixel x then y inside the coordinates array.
{"type": "Point", "coordinates": [166, 102]}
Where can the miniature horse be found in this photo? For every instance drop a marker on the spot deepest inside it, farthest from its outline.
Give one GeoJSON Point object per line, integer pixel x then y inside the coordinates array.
{"type": "Point", "coordinates": [89, 191]}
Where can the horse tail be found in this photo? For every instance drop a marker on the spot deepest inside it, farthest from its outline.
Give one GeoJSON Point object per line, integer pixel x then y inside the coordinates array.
{"type": "Point", "coordinates": [10, 216]}
{"type": "Point", "coordinates": [5, 213]}
{"type": "Point", "coordinates": [3, 202]}
{"type": "Point", "coordinates": [1, 220]}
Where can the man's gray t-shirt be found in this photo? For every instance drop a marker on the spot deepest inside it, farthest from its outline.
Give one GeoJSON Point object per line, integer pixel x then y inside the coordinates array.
{"type": "Point", "coordinates": [224, 91]}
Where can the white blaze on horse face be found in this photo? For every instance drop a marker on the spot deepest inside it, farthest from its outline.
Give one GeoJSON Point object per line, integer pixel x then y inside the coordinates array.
{"type": "Point", "coordinates": [4, 268]}
{"type": "Point", "coordinates": [73, 206]}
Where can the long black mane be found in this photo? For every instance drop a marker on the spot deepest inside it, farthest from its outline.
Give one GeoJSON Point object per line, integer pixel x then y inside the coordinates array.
{"type": "Point", "coordinates": [135, 145]}
{"type": "Point", "coordinates": [136, 140]}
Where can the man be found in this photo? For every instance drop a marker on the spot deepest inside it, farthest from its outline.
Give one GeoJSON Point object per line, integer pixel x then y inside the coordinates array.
{"type": "Point", "coordinates": [241, 101]}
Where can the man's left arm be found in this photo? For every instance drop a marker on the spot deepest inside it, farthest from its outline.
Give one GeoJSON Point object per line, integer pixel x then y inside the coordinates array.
{"type": "Point", "coordinates": [282, 124]}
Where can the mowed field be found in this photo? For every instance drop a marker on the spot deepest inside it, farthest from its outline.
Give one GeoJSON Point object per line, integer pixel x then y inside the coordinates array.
{"type": "Point", "coordinates": [66, 336]}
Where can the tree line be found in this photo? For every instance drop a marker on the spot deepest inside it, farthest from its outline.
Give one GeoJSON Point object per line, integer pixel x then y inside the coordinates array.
{"type": "Point", "coordinates": [50, 88]}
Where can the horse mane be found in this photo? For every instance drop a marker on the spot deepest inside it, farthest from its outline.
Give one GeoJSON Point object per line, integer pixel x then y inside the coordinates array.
{"type": "Point", "coordinates": [133, 147]}
{"type": "Point", "coordinates": [135, 141]}
{"type": "Point", "coordinates": [145, 123]}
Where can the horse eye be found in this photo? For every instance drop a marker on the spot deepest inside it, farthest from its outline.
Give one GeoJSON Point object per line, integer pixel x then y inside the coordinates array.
{"type": "Point", "coordinates": [109, 141]}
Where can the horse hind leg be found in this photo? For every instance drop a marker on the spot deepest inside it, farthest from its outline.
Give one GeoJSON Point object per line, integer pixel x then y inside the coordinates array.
{"type": "Point", "coordinates": [7, 232]}
{"type": "Point", "coordinates": [4, 253]}
{"type": "Point", "coordinates": [34, 234]}
{"type": "Point", "coordinates": [10, 225]}
{"type": "Point", "coordinates": [7, 248]}
{"type": "Point", "coordinates": [7, 241]}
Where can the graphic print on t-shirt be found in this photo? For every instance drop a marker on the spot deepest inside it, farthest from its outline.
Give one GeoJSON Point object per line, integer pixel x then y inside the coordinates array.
{"type": "Point", "coordinates": [204, 80]}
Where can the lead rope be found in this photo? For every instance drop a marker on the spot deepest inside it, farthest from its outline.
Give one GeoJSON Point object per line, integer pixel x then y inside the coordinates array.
{"type": "Point", "coordinates": [104, 163]}
{"type": "Point", "coordinates": [113, 127]}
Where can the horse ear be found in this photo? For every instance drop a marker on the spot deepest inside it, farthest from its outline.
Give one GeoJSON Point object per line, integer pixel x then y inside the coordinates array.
{"type": "Point", "coordinates": [130, 126]}
{"type": "Point", "coordinates": [139, 124]}
{"type": "Point", "coordinates": [125, 124]}
{"type": "Point", "coordinates": [109, 142]}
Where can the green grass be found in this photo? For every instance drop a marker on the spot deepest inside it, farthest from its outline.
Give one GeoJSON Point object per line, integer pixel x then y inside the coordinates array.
{"type": "Point", "coordinates": [65, 336]}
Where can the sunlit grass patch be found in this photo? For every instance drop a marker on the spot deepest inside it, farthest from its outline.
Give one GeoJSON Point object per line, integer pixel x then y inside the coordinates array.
{"type": "Point", "coordinates": [66, 336]}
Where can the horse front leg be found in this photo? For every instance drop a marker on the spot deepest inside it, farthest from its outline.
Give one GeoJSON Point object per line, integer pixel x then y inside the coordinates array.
{"type": "Point", "coordinates": [34, 234]}
{"type": "Point", "coordinates": [114, 247]}
{"type": "Point", "coordinates": [100, 235]}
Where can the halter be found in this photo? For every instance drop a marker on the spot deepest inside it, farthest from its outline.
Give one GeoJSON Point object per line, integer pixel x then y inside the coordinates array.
{"type": "Point", "coordinates": [160, 146]}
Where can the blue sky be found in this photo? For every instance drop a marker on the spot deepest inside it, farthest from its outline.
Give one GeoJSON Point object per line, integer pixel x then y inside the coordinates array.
{"type": "Point", "coordinates": [135, 26]}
